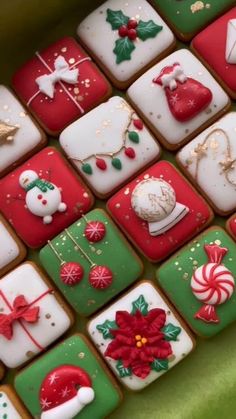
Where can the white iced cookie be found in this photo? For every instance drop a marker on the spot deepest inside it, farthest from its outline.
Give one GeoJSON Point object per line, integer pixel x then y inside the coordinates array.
{"type": "Point", "coordinates": [9, 247]}
{"type": "Point", "coordinates": [230, 51]}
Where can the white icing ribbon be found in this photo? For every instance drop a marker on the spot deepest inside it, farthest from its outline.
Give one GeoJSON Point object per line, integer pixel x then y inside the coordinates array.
{"type": "Point", "coordinates": [170, 80]}
{"type": "Point", "coordinates": [62, 73]}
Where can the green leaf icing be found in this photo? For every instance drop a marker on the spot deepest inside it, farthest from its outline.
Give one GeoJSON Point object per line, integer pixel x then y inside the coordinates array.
{"type": "Point", "coordinates": [141, 305]}
{"type": "Point", "coordinates": [116, 163]}
{"type": "Point", "coordinates": [87, 168]}
{"type": "Point", "coordinates": [146, 30]}
{"type": "Point", "coordinates": [105, 328]}
{"type": "Point", "coordinates": [133, 136]}
{"type": "Point", "coordinates": [116, 18]}
{"type": "Point", "coordinates": [123, 372]}
{"type": "Point", "coordinates": [123, 49]}
{"type": "Point", "coordinates": [159, 365]}
{"type": "Point", "coordinates": [171, 332]}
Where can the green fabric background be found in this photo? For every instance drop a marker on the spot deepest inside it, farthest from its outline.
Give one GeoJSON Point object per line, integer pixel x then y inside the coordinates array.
{"type": "Point", "coordinates": [203, 386]}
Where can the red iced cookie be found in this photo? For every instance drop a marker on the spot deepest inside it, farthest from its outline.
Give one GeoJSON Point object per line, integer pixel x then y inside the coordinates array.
{"type": "Point", "coordinates": [231, 226]}
{"type": "Point", "coordinates": [42, 197]}
{"type": "Point", "coordinates": [159, 211]}
{"type": "Point", "coordinates": [60, 84]}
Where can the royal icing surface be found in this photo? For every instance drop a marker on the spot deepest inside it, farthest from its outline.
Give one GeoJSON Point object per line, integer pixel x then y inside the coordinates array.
{"type": "Point", "coordinates": [9, 248]}
{"type": "Point", "coordinates": [23, 335]}
{"type": "Point", "coordinates": [146, 300]}
{"type": "Point", "coordinates": [111, 134]}
{"type": "Point", "coordinates": [210, 160]}
{"type": "Point", "coordinates": [7, 408]}
{"type": "Point", "coordinates": [124, 54]}
{"type": "Point", "coordinates": [150, 98]}
{"type": "Point", "coordinates": [18, 134]}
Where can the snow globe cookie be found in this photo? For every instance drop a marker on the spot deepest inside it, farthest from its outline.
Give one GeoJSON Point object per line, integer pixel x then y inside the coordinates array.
{"type": "Point", "coordinates": [189, 16]}
{"type": "Point", "coordinates": [200, 281]}
{"type": "Point", "coordinates": [125, 38]}
{"type": "Point", "coordinates": [140, 336]}
{"type": "Point", "coordinates": [60, 84]}
{"type": "Point", "coordinates": [222, 62]}
{"type": "Point", "coordinates": [10, 405]}
{"type": "Point", "coordinates": [33, 315]}
{"type": "Point", "coordinates": [42, 197]}
{"type": "Point", "coordinates": [178, 98]}
{"type": "Point", "coordinates": [72, 382]}
{"type": "Point", "coordinates": [159, 211]}
{"type": "Point", "coordinates": [91, 262]}
{"type": "Point", "coordinates": [210, 161]}
{"type": "Point", "coordinates": [109, 145]}
{"type": "Point", "coordinates": [19, 135]}
{"type": "Point", "coordinates": [12, 250]}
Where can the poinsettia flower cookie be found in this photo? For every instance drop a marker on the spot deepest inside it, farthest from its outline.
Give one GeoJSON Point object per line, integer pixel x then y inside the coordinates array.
{"type": "Point", "coordinates": [109, 145]}
{"type": "Point", "coordinates": [178, 98]}
{"type": "Point", "coordinates": [11, 406]}
{"type": "Point", "coordinates": [125, 38]}
{"type": "Point", "coordinates": [72, 382]}
{"type": "Point", "coordinates": [216, 47]}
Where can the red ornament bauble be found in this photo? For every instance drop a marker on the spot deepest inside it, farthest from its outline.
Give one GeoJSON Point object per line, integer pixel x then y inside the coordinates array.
{"type": "Point", "coordinates": [71, 273]}
{"type": "Point", "coordinates": [101, 164]}
{"type": "Point", "coordinates": [132, 24]}
{"type": "Point", "coordinates": [95, 231]}
{"type": "Point", "coordinates": [123, 31]}
{"type": "Point", "coordinates": [138, 124]}
{"type": "Point", "coordinates": [100, 277]}
{"type": "Point", "coordinates": [129, 152]}
{"type": "Point", "coordinates": [132, 34]}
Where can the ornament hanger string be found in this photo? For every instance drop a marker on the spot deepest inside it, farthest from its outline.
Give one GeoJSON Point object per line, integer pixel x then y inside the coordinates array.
{"type": "Point", "coordinates": [80, 248]}
{"type": "Point", "coordinates": [56, 253]}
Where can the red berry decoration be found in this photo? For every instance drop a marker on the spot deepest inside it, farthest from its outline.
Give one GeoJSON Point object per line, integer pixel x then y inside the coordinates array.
{"type": "Point", "coordinates": [138, 124]}
{"type": "Point", "coordinates": [100, 277]}
{"type": "Point", "coordinates": [132, 24]}
{"type": "Point", "coordinates": [71, 273]}
{"type": "Point", "coordinates": [123, 31]}
{"type": "Point", "coordinates": [129, 152]}
{"type": "Point", "coordinates": [95, 231]}
{"type": "Point", "coordinates": [101, 164]}
{"type": "Point", "coordinates": [132, 34]}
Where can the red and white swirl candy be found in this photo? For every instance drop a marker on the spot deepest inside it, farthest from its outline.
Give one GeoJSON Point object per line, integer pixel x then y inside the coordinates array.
{"type": "Point", "coordinates": [212, 283]}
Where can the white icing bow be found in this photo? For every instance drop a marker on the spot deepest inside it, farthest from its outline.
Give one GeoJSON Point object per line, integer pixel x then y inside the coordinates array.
{"type": "Point", "coordinates": [62, 72]}
{"type": "Point", "coordinates": [169, 80]}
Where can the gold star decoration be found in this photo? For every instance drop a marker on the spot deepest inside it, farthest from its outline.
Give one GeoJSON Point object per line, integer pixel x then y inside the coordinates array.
{"type": "Point", "coordinates": [227, 164]}
{"type": "Point", "coordinates": [200, 150]}
{"type": "Point", "coordinates": [7, 132]}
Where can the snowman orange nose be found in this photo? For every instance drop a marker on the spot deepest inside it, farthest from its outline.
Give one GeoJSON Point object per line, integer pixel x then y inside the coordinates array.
{"type": "Point", "coordinates": [44, 202]}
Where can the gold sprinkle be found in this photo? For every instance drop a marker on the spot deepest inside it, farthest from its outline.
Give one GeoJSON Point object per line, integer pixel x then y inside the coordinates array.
{"type": "Point", "coordinates": [192, 249]}
{"type": "Point", "coordinates": [176, 263]}
{"type": "Point", "coordinates": [195, 262]}
{"type": "Point", "coordinates": [99, 252]}
{"type": "Point", "coordinates": [30, 354]}
{"type": "Point", "coordinates": [76, 90]}
{"type": "Point", "coordinates": [85, 195]}
{"type": "Point", "coordinates": [48, 316]}
{"type": "Point", "coordinates": [218, 242]}
{"type": "Point", "coordinates": [64, 49]}
{"type": "Point", "coordinates": [146, 176]}
{"type": "Point", "coordinates": [117, 205]}
{"type": "Point", "coordinates": [71, 61]}
{"type": "Point", "coordinates": [126, 192]}
{"type": "Point", "coordinates": [81, 355]}
{"type": "Point", "coordinates": [185, 275]}
{"type": "Point", "coordinates": [22, 114]}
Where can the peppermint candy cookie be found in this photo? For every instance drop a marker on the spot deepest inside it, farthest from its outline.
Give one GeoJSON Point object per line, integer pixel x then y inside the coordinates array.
{"type": "Point", "coordinates": [125, 38]}
{"type": "Point", "coordinates": [10, 405]}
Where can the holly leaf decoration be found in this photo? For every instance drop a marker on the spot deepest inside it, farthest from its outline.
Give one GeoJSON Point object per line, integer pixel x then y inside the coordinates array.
{"type": "Point", "coordinates": [105, 328]}
{"type": "Point", "coordinates": [116, 18]}
{"type": "Point", "coordinates": [146, 30]}
{"type": "Point", "coordinates": [160, 365]}
{"type": "Point", "coordinates": [171, 332]}
{"type": "Point", "coordinates": [123, 49]}
{"type": "Point", "coordinates": [133, 136]}
{"type": "Point", "coordinates": [141, 305]}
{"type": "Point", "coordinates": [123, 372]}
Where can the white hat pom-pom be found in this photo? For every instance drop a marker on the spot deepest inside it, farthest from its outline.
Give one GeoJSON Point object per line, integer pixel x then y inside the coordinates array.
{"type": "Point", "coordinates": [85, 395]}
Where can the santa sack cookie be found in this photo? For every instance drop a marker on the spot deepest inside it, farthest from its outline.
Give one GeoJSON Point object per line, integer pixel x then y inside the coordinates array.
{"type": "Point", "coordinates": [65, 391]}
{"type": "Point", "coordinates": [186, 97]}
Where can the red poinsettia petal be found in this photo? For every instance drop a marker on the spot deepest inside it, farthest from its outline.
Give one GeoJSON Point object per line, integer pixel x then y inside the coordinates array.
{"type": "Point", "coordinates": [116, 351]}
{"type": "Point", "coordinates": [124, 320]}
{"type": "Point", "coordinates": [161, 351]}
{"type": "Point", "coordinates": [156, 319]}
{"type": "Point", "coordinates": [123, 337]}
{"type": "Point", "coordinates": [140, 323]}
{"type": "Point", "coordinates": [141, 369]}
{"type": "Point", "coordinates": [154, 338]}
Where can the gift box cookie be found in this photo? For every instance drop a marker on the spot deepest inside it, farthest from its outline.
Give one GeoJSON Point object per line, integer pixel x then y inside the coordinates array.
{"type": "Point", "coordinates": [189, 16]}
{"type": "Point", "coordinates": [32, 315]}
{"type": "Point", "coordinates": [60, 84]}
{"type": "Point", "coordinates": [91, 262]}
{"type": "Point", "coordinates": [125, 38]}
{"type": "Point", "coordinates": [10, 405]}
{"type": "Point", "coordinates": [19, 135]}
{"type": "Point", "coordinates": [178, 98]}
{"type": "Point", "coordinates": [210, 161]}
{"type": "Point", "coordinates": [200, 281]}
{"type": "Point", "coordinates": [159, 211]}
{"type": "Point", "coordinates": [42, 197]}
{"type": "Point", "coordinates": [72, 382]}
{"type": "Point", "coordinates": [12, 250]}
{"type": "Point", "coordinates": [140, 336]}
{"type": "Point", "coordinates": [216, 46]}
{"type": "Point", "coordinates": [109, 145]}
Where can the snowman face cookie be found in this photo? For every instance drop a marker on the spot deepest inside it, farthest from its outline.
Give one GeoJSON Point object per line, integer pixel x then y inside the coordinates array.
{"type": "Point", "coordinates": [43, 196]}
{"type": "Point", "coordinates": [10, 405]}
{"type": "Point", "coordinates": [19, 136]}
{"type": "Point", "coordinates": [125, 38]}
{"type": "Point", "coordinates": [200, 282]}
{"type": "Point", "coordinates": [109, 145]}
{"type": "Point", "coordinates": [210, 161]}
{"type": "Point", "coordinates": [71, 381]}
{"type": "Point", "coordinates": [178, 97]}
{"type": "Point", "coordinates": [159, 211]}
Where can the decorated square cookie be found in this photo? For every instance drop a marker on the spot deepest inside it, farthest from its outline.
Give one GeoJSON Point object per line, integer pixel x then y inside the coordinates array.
{"type": "Point", "coordinates": [42, 197]}
{"type": "Point", "coordinates": [125, 38]}
{"type": "Point", "coordinates": [231, 226]}
{"type": "Point", "coordinates": [210, 161]}
{"type": "Point", "coordinates": [19, 135]}
{"type": "Point", "coordinates": [91, 262]}
{"type": "Point", "coordinates": [12, 250]}
{"type": "Point", "coordinates": [140, 336]}
{"type": "Point", "coordinates": [72, 382]}
{"type": "Point", "coordinates": [187, 17]}
{"type": "Point", "coordinates": [60, 84]}
{"type": "Point", "coordinates": [159, 211]}
{"type": "Point", "coordinates": [216, 46]}
{"type": "Point", "coordinates": [10, 405]}
{"type": "Point", "coordinates": [109, 145]}
{"type": "Point", "coordinates": [32, 315]}
{"type": "Point", "coordinates": [178, 98]}
{"type": "Point", "coordinates": [200, 281]}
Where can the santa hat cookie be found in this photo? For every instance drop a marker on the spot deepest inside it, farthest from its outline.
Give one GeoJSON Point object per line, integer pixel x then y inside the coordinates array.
{"type": "Point", "coordinates": [65, 391]}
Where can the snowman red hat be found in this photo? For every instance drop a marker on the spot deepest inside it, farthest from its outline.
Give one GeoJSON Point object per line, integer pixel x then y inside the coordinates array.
{"type": "Point", "coordinates": [65, 391]}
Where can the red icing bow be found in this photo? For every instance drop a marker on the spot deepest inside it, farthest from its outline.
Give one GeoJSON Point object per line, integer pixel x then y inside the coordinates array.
{"type": "Point", "coordinates": [21, 310]}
